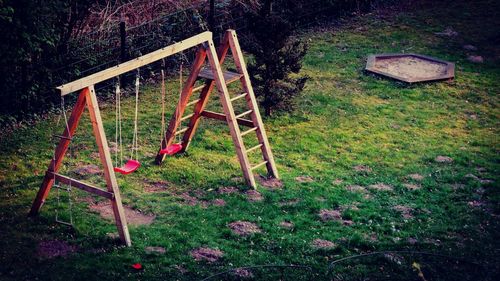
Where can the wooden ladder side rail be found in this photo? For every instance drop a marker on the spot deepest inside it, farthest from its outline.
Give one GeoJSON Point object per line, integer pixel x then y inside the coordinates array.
{"type": "Point", "coordinates": [203, 100]}
{"type": "Point", "coordinates": [60, 151]}
{"type": "Point", "coordinates": [109, 173]}
{"type": "Point", "coordinates": [186, 93]}
{"type": "Point", "coordinates": [230, 116]}
{"type": "Point", "coordinates": [252, 103]}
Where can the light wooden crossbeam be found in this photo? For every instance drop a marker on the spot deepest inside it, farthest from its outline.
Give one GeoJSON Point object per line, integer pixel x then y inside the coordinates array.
{"type": "Point", "coordinates": [80, 185]}
{"type": "Point", "coordinates": [134, 64]}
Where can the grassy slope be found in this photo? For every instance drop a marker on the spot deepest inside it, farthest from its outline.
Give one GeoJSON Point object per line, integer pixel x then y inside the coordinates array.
{"type": "Point", "coordinates": [345, 118]}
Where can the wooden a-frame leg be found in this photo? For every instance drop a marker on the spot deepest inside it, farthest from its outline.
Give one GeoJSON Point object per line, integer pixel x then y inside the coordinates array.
{"type": "Point", "coordinates": [187, 90]}
{"type": "Point", "coordinates": [109, 174]}
{"type": "Point", "coordinates": [60, 151]}
{"type": "Point", "coordinates": [204, 97]}
{"type": "Point", "coordinates": [230, 116]}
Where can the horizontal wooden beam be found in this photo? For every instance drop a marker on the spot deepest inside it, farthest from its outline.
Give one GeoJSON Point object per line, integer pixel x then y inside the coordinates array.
{"type": "Point", "coordinates": [80, 185]}
{"type": "Point", "coordinates": [134, 64]}
{"type": "Point", "coordinates": [222, 117]}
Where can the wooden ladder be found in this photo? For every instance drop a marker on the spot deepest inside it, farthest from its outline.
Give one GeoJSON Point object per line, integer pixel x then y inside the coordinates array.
{"type": "Point", "coordinates": [216, 77]}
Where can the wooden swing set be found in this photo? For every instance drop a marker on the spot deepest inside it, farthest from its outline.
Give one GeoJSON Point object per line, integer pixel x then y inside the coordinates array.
{"type": "Point", "coordinates": [213, 75]}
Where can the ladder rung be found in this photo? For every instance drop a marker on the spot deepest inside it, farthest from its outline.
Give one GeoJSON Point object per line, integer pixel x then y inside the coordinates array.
{"type": "Point", "coordinates": [198, 88]}
{"type": "Point", "coordinates": [228, 75]}
{"type": "Point", "coordinates": [187, 117]}
{"type": "Point", "coordinates": [239, 97]}
{"type": "Point", "coordinates": [259, 165]}
{"type": "Point", "coordinates": [243, 114]}
{"type": "Point", "coordinates": [193, 102]}
{"type": "Point", "coordinates": [254, 148]}
{"type": "Point", "coordinates": [249, 131]}
{"type": "Point", "coordinates": [181, 131]}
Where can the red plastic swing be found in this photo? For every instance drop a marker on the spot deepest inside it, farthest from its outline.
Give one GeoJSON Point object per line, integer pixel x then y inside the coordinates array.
{"type": "Point", "coordinates": [171, 149]}
{"type": "Point", "coordinates": [128, 168]}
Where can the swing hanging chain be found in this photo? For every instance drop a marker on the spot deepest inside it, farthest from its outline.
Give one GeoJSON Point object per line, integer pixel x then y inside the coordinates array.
{"type": "Point", "coordinates": [135, 145]}
{"type": "Point", "coordinates": [118, 124]}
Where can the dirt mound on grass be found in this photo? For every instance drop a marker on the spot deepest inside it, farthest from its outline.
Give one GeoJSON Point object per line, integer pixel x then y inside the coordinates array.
{"type": "Point", "coordinates": [362, 169]}
{"type": "Point", "coordinates": [405, 211]}
{"type": "Point", "coordinates": [322, 244]}
{"type": "Point", "coordinates": [206, 254]}
{"type": "Point", "coordinates": [302, 179]}
{"type": "Point", "coordinates": [417, 177]}
{"type": "Point", "coordinates": [356, 188]}
{"type": "Point", "coordinates": [271, 183]}
{"type": "Point", "coordinates": [411, 186]}
{"type": "Point", "coordinates": [155, 186]}
{"type": "Point", "coordinates": [381, 187]}
{"type": "Point", "coordinates": [49, 249]}
{"type": "Point", "coordinates": [329, 215]}
{"type": "Point", "coordinates": [287, 224]}
{"type": "Point", "coordinates": [244, 228]}
{"type": "Point", "coordinates": [228, 190]}
{"type": "Point", "coordinates": [443, 159]}
{"type": "Point", "coordinates": [254, 196]}
{"type": "Point", "coordinates": [134, 217]}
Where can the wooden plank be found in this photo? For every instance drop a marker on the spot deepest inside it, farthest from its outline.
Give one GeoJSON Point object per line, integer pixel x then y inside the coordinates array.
{"type": "Point", "coordinates": [229, 76]}
{"type": "Point", "coordinates": [134, 64]}
{"type": "Point", "coordinates": [230, 117]}
{"type": "Point", "coordinates": [252, 103]}
{"type": "Point", "coordinates": [204, 97]}
{"type": "Point", "coordinates": [109, 173]}
{"type": "Point", "coordinates": [80, 185]}
{"type": "Point", "coordinates": [60, 151]}
{"type": "Point", "coordinates": [186, 93]}
{"type": "Point", "coordinates": [222, 117]}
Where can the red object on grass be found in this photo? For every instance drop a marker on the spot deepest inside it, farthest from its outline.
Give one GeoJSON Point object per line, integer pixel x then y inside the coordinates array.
{"type": "Point", "coordinates": [171, 149]}
{"type": "Point", "coordinates": [128, 168]}
{"type": "Point", "coordinates": [137, 266]}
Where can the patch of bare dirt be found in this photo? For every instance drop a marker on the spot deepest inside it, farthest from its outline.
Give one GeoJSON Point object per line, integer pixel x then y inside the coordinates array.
{"type": "Point", "coordinates": [381, 187]}
{"type": "Point", "coordinates": [206, 254]}
{"type": "Point", "coordinates": [352, 207]}
{"type": "Point", "coordinates": [356, 188]}
{"type": "Point", "coordinates": [303, 179]}
{"type": "Point", "coordinates": [244, 228]}
{"type": "Point", "coordinates": [417, 177]}
{"type": "Point", "coordinates": [189, 200]}
{"type": "Point", "coordinates": [134, 217]}
{"type": "Point", "coordinates": [49, 249]}
{"type": "Point", "coordinates": [347, 222]}
{"type": "Point", "coordinates": [330, 215]}
{"type": "Point", "coordinates": [155, 250]}
{"type": "Point", "coordinates": [86, 170]}
{"type": "Point", "coordinates": [411, 186]}
{"type": "Point", "coordinates": [155, 186]}
{"type": "Point", "coordinates": [362, 169]}
{"type": "Point", "coordinates": [219, 202]}
{"type": "Point", "coordinates": [287, 224]}
{"type": "Point", "coordinates": [337, 182]}
{"type": "Point", "coordinates": [481, 180]}
{"type": "Point", "coordinates": [243, 273]}
{"type": "Point", "coordinates": [254, 196]}
{"type": "Point", "coordinates": [322, 244]}
{"type": "Point", "coordinates": [443, 159]}
{"type": "Point", "coordinates": [228, 190]}
{"type": "Point", "coordinates": [271, 183]}
{"type": "Point", "coordinates": [405, 211]}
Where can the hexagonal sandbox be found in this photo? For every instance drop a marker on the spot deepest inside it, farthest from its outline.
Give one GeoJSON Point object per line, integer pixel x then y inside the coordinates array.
{"type": "Point", "coordinates": [410, 68]}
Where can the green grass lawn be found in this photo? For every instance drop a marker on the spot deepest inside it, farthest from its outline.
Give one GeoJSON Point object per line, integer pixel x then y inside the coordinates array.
{"type": "Point", "coordinates": [351, 133]}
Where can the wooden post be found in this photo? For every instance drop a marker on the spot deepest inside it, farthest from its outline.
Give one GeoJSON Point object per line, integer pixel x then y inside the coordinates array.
{"type": "Point", "coordinates": [109, 174]}
{"type": "Point", "coordinates": [60, 151]}
{"type": "Point", "coordinates": [123, 42]}
{"type": "Point", "coordinates": [211, 15]}
{"type": "Point", "coordinates": [230, 116]}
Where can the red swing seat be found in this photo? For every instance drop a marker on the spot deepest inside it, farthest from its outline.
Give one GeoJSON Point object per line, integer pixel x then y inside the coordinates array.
{"type": "Point", "coordinates": [128, 168]}
{"type": "Point", "coordinates": [171, 149]}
